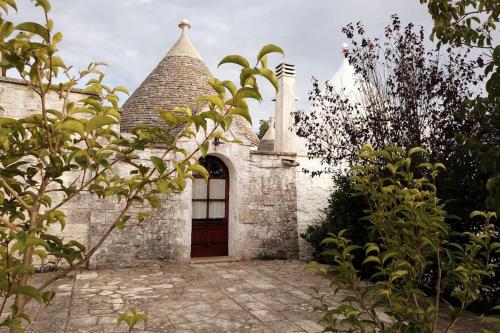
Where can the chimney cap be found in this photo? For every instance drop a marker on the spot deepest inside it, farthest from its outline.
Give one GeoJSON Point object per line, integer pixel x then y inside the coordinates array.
{"type": "Point", "coordinates": [285, 69]}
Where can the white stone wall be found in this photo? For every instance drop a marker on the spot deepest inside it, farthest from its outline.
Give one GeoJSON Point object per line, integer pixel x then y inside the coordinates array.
{"type": "Point", "coordinates": [262, 216]}
{"type": "Point", "coordinates": [312, 199]}
{"type": "Point", "coordinates": [263, 204]}
{"type": "Point", "coordinates": [268, 212]}
{"type": "Point", "coordinates": [19, 101]}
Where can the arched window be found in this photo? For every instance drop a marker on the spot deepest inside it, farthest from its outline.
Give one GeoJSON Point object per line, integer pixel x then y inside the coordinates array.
{"type": "Point", "coordinates": [209, 197]}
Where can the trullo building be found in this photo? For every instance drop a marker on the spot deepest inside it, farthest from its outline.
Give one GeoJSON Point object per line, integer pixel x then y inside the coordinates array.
{"type": "Point", "coordinates": [255, 204]}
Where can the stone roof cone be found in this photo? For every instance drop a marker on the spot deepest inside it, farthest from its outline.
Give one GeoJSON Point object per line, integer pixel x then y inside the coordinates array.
{"type": "Point", "coordinates": [179, 78]}
{"type": "Point", "coordinates": [184, 47]}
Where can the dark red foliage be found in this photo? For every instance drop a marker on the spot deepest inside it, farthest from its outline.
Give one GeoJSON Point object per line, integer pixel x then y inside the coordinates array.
{"type": "Point", "coordinates": [409, 96]}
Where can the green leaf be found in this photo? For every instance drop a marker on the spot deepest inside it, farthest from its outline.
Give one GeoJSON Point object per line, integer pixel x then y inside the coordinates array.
{"type": "Point", "coordinates": [235, 59]}
{"type": "Point", "coordinates": [48, 296]}
{"type": "Point", "coordinates": [58, 62]}
{"type": "Point", "coordinates": [269, 48]}
{"type": "Point", "coordinates": [416, 150]}
{"type": "Point", "coordinates": [215, 100]}
{"type": "Point", "coordinates": [99, 122]}
{"type": "Point", "coordinates": [30, 292]}
{"type": "Point", "coordinates": [477, 213]}
{"type": "Point", "coordinates": [264, 61]}
{"type": "Point", "coordinates": [181, 183]}
{"type": "Point", "coordinates": [204, 148]}
{"type": "Point", "coordinates": [217, 85]}
{"type": "Point", "coordinates": [154, 202]}
{"type": "Point", "coordinates": [348, 249]}
{"type": "Point", "coordinates": [44, 4]}
{"type": "Point", "coordinates": [248, 92]}
{"type": "Point", "coordinates": [73, 126]}
{"type": "Point", "coordinates": [163, 185]}
{"type": "Point", "coordinates": [142, 216]}
{"type": "Point", "coordinates": [122, 89]}
{"type": "Point", "coordinates": [6, 29]}
{"type": "Point", "coordinates": [392, 168]}
{"type": "Point", "coordinates": [230, 86]}
{"type": "Point", "coordinates": [58, 36]}
{"type": "Point", "coordinates": [93, 102]}
{"type": "Point", "coordinates": [35, 28]}
{"type": "Point", "coordinates": [37, 242]}
{"type": "Point", "coordinates": [246, 74]}
{"type": "Point", "coordinates": [389, 254]}
{"type": "Point", "coordinates": [132, 319]}
{"type": "Point", "coordinates": [383, 153]}
{"type": "Point", "coordinates": [159, 164]}
{"type": "Point", "coordinates": [199, 169]}
{"type": "Point", "coordinates": [241, 112]}
{"type": "Point", "coordinates": [496, 55]}
{"type": "Point", "coordinates": [270, 76]}
{"type": "Point", "coordinates": [11, 3]}
{"type": "Point", "coordinates": [371, 259]}
{"type": "Point", "coordinates": [78, 245]}
{"type": "Point", "coordinates": [398, 274]}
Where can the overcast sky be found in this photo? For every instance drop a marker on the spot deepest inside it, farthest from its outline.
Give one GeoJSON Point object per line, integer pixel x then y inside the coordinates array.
{"type": "Point", "coordinates": [132, 36]}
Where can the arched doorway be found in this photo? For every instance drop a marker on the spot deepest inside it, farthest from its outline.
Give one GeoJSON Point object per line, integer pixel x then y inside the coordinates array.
{"type": "Point", "coordinates": [210, 207]}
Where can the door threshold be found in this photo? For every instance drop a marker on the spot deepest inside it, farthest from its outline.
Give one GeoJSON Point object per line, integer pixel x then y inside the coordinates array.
{"type": "Point", "coordinates": [212, 260]}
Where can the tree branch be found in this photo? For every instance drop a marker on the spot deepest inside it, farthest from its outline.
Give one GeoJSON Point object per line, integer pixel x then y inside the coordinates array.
{"type": "Point", "coordinates": [15, 194]}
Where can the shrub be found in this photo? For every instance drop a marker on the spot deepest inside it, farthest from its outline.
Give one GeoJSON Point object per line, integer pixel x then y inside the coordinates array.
{"type": "Point", "coordinates": [411, 238]}
{"type": "Point", "coordinates": [401, 96]}
{"type": "Point", "coordinates": [461, 187]}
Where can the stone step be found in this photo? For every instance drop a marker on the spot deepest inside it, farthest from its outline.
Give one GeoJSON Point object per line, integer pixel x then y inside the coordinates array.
{"type": "Point", "coordinates": [211, 260]}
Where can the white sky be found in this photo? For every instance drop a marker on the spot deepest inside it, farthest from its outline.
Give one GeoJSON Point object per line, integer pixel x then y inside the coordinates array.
{"type": "Point", "coordinates": [132, 36]}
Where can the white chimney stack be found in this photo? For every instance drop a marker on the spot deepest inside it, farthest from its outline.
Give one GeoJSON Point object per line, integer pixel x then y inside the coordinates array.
{"type": "Point", "coordinates": [285, 107]}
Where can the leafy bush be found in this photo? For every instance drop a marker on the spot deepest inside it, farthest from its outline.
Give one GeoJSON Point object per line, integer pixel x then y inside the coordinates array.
{"type": "Point", "coordinates": [401, 96]}
{"type": "Point", "coordinates": [461, 187]}
{"type": "Point", "coordinates": [459, 23]}
{"type": "Point", "coordinates": [411, 238]}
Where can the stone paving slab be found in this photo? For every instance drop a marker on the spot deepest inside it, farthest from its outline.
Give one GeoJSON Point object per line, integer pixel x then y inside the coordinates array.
{"type": "Point", "coordinates": [251, 296]}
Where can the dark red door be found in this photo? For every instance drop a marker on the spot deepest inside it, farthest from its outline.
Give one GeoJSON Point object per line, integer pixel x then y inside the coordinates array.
{"type": "Point", "coordinates": [210, 210]}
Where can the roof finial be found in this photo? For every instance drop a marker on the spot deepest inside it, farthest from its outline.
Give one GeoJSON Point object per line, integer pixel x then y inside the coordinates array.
{"type": "Point", "coordinates": [345, 49]}
{"type": "Point", "coordinates": [184, 25]}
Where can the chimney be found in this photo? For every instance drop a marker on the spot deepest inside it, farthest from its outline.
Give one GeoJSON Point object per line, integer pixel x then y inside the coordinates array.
{"type": "Point", "coordinates": [285, 107]}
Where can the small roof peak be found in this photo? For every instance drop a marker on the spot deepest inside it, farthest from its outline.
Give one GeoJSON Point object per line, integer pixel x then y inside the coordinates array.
{"type": "Point", "coordinates": [183, 46]}
{"type": "Point", "coordinates": [344, 49]}
{"type": "Point", "coordinates": [184, 25]}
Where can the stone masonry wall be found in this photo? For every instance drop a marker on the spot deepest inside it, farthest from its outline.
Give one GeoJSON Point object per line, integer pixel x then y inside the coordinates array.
{"type": "Point", "coordinates": [268, 209]}
{"type": "Point", "coordinates": [263, 205]}
{"type": "Point", "coordinates": [19, 101]}
{"type": "Point", "coordinates": [312, 199]}
{"type": "Point", "coordinates": [162, 237]}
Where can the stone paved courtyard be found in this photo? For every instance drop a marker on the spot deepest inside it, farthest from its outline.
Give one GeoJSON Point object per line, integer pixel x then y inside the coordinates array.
{"type": "Point", "coordinates": [252, 296]}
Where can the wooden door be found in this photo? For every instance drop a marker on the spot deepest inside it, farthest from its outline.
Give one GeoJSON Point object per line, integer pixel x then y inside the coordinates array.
{"type": "Point", "coordinates": [210, 207]}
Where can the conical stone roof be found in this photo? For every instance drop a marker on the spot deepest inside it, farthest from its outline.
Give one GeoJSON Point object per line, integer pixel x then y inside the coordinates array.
{"type": "Point", "coordinates": [179, 78]}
